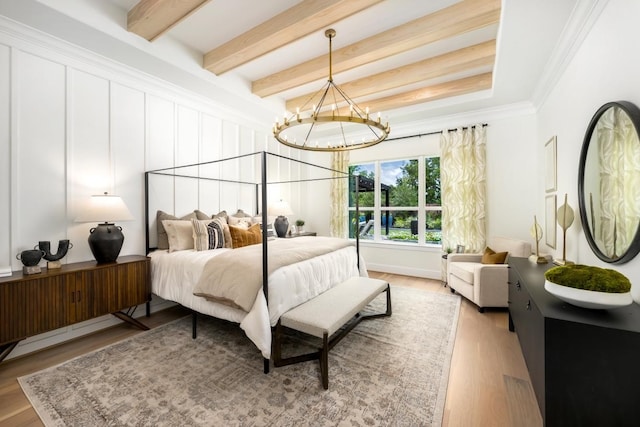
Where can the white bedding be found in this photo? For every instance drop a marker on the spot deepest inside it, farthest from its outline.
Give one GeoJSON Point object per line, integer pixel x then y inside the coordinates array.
{"type": "Point", "coordinates": [173, 276]}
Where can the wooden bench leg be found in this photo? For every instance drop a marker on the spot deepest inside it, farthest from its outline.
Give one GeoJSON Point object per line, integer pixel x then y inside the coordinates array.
{"type": "Point", "coordinates": [324, 362]}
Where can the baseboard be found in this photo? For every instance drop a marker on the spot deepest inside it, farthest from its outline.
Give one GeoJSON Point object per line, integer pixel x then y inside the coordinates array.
{"type": "Point", "coordinates": [405, 271]}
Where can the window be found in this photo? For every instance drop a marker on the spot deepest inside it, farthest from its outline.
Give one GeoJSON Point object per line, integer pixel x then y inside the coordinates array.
{"type": "Point", "coordinates": [390, 205]}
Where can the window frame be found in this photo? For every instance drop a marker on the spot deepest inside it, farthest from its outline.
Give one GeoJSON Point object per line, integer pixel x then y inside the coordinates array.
{"type": "Point", "coordinates": [378, 209]}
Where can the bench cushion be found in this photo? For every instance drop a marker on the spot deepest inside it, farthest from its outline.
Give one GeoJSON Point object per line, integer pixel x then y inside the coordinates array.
{"type": "Point", "coordinates": [330, 310]}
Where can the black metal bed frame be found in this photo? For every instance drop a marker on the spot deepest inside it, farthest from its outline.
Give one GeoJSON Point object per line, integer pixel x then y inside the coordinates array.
{"type": "Point", "coordinates": [261, 206]}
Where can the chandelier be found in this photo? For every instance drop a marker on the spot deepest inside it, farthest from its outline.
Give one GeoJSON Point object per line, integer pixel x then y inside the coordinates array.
{"type": "Point", "coordinates": [328, 126]}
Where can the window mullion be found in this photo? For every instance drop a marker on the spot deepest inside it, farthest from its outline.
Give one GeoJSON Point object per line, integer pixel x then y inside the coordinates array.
{"type": "Point", "coordinates": [377, 212]}
{"type": "Point", "coordinates": [422, 217]}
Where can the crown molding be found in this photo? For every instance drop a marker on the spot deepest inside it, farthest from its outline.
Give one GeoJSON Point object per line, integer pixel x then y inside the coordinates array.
{"type": "Point", "coordinates": [583, 17]}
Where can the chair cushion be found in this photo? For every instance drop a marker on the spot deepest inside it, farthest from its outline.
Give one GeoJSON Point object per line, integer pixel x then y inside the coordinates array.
{"type": "Point", "coordinates": [491, 257]}
{"type": "Point", "coordinates": [463, 270]}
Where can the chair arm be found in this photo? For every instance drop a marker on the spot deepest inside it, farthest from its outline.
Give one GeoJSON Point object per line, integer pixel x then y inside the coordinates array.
{"type": "Point", "coordinates": [464, 258]}
{"type": "Point", "coordinates": [491, 284]}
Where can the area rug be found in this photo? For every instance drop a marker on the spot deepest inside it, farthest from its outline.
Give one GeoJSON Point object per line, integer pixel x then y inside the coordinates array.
{"type": "Point", "coordinates": [387, 371]}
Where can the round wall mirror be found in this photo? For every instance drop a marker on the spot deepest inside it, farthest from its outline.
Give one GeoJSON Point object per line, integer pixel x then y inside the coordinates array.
{"type": "Point", "coordinates": [609, 182]}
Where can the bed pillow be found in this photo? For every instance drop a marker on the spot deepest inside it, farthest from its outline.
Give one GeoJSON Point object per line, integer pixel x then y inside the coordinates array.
{"type": "Point", "coordinates": [492, 257]}
{"type": "Point", "coordinates": [179, 234]}
{"type": "Point", "coordinates": [241, 214]}
{"type": "Point", "coordinates": [243, 222]}
{"type": "Point", "coordinates": [245, 237]}
{"type": "Point", "coordinates": [208, 234]}
{"type": "Point", "coordinates": [163, 240]}
{"type": "Point", "coordinates": [201, 215]}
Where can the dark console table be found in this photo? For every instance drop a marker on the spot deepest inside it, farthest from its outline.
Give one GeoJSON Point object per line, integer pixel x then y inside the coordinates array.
{"type": "Point", "coordinates": [584, 364]}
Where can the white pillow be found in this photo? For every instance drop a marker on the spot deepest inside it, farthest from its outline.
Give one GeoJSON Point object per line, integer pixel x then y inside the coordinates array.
{"type": "Point", "coordinates": [244, 222]}
{"type": "Point", "coordinates": [179, 234]}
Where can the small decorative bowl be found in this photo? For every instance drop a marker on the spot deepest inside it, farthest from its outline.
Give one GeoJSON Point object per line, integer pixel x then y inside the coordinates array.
{"type": "Point", "coordinates": [588, 299]}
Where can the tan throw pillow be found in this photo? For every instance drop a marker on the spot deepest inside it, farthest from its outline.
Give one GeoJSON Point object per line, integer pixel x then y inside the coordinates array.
{"type": "Point", "coordinates": [179, 234]}
{"type": "Point", "coordinates": [241, 237]}
{"type": "Point", "coordinates": [492, 257]}
{"type": "Point", "coordinates": [163, 240]}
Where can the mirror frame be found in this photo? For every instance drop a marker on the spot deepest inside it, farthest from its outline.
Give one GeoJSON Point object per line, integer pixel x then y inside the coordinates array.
{"type": "Point", "coordinates": [634, 115]}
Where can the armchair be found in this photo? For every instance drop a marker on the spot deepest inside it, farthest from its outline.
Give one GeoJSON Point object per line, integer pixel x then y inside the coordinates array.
{"type": "Point", "coordinates": [484, 284]}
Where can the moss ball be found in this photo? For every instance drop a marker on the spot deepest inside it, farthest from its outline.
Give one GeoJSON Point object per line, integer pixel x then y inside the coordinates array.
{"type": "Point", "coordinates": [589, 277]}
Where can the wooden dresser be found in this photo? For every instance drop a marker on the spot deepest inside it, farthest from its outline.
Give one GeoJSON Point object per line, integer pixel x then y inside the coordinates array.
{"type": "Point", "coordinates": [37, 303]}
{"type": "Point", "coordinates": [584, 364]}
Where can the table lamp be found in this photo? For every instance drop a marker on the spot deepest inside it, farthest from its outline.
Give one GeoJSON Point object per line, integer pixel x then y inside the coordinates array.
{"type": "Point", "coordinates": [281, 223]}
{"type": "Point", "coordinates": [105, 240]}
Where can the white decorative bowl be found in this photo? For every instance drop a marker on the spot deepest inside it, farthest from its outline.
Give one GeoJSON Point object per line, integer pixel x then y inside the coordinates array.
{"type": "Point", "coordinates": [588, 299]}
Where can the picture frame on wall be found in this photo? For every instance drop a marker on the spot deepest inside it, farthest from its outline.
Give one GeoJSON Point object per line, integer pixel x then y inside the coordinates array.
{"type": "Point", "coordinates": [550, 161]}
{"type": "Point", "coordinates": [550, 220]}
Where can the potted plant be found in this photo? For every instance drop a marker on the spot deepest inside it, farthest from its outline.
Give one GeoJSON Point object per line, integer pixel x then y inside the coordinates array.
{"type": "Point", "coordinates": [299, 226]}
{"type": "Point", "coordinates": [589, 286]}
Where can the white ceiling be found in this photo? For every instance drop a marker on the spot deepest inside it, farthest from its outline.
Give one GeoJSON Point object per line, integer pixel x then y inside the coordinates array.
{"type": "Point", "coordinates": [533, 37]}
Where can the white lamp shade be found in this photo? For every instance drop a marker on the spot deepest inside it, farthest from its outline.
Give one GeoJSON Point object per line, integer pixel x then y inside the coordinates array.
{"type": "Point", "coordinates": [105, 208]}
{"type": "Point", "coordinates": [280, 208]}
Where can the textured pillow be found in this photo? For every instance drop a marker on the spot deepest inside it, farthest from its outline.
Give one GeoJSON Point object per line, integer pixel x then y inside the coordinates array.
{"type": "Point", "coordinates": [492, 257]}
{"type": "Point", "coordinates": [179, 234]}
{"type": "Point", "coordinates": [207, 234]}
{"type": "Point", "coordinates": [163, 241]}
{"type": "Point", "coordinates": [242, 237]}
{"type": "Point", "coordinates": [244, 222]}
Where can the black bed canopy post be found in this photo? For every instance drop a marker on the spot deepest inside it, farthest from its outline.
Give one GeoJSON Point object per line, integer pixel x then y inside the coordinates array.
{"type": "Point", "coordinates": [146, 211]}
{"type": "Point", "coordinates": [265, 269]}
{"type": "Point", "coordinates": [146, 234]}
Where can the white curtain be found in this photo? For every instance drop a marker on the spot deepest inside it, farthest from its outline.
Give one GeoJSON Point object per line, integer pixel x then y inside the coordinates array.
{"type": "Point", "coordinates": [339, 194]}
{"type": "Point", "coordinates": [463, 186]}
{"type": "Point", "coordinates": [619, 162]}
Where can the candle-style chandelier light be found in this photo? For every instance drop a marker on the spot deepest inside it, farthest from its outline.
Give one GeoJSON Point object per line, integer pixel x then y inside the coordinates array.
{"type": "Point", "coordinates": [336, 123]}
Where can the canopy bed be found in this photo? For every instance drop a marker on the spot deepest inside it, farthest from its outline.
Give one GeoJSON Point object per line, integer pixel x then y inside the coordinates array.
{"type": "Point", "coordinates": [279, 274]}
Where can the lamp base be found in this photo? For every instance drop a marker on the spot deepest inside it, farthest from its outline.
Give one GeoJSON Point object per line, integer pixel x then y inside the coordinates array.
{"type": "Point", "coordinates": [105, 242]}
{"type": "Point", "coordinates": [281, 224]}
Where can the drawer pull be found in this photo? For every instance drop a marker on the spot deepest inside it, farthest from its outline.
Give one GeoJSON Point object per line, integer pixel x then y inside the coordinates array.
{"type": "Point", "coordinates": [518, 287]}
{"type": "Point", "coordinates": [529, 305]}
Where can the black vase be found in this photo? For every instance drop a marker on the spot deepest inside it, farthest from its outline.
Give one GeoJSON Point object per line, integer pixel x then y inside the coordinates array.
{"type": "Point", "coordinates": [281, 224]}
{"type": "Point", "coordinates": [105, 242]}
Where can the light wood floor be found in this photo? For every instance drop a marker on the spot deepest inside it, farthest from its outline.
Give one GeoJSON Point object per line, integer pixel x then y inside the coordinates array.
{"type": "Point", "coordinates": [488, 382]}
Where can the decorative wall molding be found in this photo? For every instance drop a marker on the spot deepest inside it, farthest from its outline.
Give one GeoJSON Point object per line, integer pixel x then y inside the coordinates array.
{"type": "Point", "coordinates": [583, 17]}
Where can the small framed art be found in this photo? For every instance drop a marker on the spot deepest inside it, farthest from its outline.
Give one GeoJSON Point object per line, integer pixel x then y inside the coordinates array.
{"type": "Point", "coordinates": [550, 220]}
{"type": "Point", "coordinates": [550, 178]}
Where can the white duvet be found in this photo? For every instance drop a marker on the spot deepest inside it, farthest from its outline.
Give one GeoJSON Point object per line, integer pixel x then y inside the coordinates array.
{"type": "Point", "coordinates": [173, 276]}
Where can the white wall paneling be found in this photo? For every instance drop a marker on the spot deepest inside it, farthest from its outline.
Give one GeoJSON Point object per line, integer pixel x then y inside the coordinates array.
{"type": "Point", "coordinates": [6, 254]}
{"type": "Point", "coordinates": [127, 153]}
{"type": "Point", "coordinates": [39, 182]}
{"type": "Point", "coordinates": [160, 133]}
{"type": "Point", "coordinates": [89, 151]}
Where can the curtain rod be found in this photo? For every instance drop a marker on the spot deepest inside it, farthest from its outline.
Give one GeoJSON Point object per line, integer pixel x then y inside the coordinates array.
{"type": "Point", "coordinates": [418, 135]}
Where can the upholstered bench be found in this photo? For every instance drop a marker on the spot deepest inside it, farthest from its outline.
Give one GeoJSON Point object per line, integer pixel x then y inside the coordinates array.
{"type": "Point", "coordinates": [325, 316]}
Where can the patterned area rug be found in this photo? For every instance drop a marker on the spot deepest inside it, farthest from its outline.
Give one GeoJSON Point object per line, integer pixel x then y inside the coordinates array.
{"type": "Point", "coordinates": [387, 371]}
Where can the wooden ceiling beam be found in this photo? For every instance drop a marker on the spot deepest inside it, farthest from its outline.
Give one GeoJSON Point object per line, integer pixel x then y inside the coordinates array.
{"type": "Point", "coordinates": [431, 93]}
{"type": "Point", "coordinates": [469, 58]}
{"type": "Point", "coordinates": [292, 24]}
{"type": "Point", "coordinates": [152, 18]}
{"type": "Point", "coordinates": [462, 17]}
